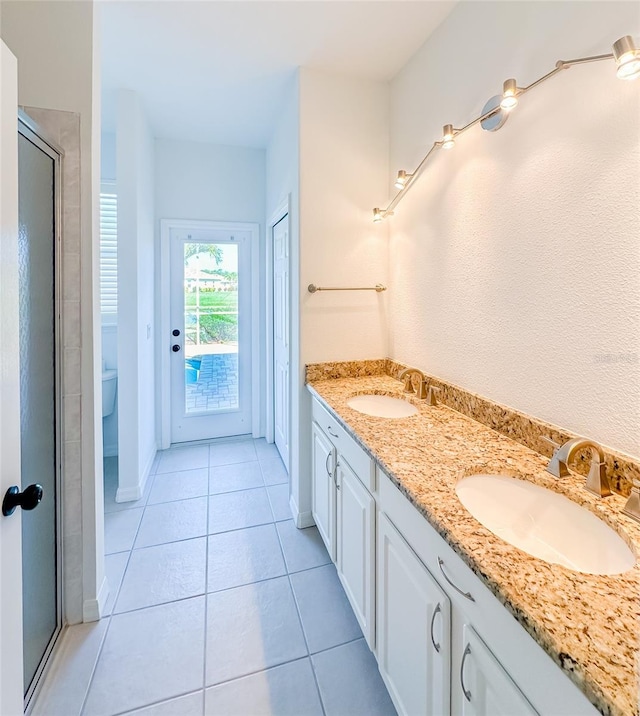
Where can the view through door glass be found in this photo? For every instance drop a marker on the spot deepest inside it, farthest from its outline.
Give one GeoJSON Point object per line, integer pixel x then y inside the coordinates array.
{"type": "Point", "coordinates": [210, 334]}
{"type": "Point", "coordinates": [210, 327]}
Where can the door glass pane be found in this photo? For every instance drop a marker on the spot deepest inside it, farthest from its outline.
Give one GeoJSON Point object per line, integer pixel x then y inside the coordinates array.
{"type": "Point", "coordinates": [211, 327]}
{"type": "Point", "coordinates": [36, 244]}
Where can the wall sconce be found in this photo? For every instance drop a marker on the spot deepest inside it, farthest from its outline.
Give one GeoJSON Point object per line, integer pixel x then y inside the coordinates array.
{"type": "Point", "coordinates": [496, 111]}
{"type": "Point", "coordinates": [402, 179]}
{"type": "Point", "coordinates": [448, 132]}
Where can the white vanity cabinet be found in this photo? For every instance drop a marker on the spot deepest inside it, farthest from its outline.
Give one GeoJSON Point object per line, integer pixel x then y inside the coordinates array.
{"type": "Point", "coordinates": [496, 667]}
{"type": "Point", "coordinates": [413, 628]}
{"type": "Point", "coordinates": [344, 509]}
{"type": "Point", "coordinates": [323, 464]}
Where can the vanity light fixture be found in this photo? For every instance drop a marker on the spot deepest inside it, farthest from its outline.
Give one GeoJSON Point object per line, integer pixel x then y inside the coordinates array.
{"type": "Point", "coordinates": [509, 94]}
{"type": "Point", "coordinates": [402, 179]}
{"type": "Point", "coordinates": [448, 132]}
{"type": "Point", "coordinates": [627, 57]}
{"type": "Point", "coordinates": [496, 111]}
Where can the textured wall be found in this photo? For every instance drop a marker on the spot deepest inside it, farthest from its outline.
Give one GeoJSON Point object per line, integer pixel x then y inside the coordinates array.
{"type": "Point", "coordinates": [515, 259]}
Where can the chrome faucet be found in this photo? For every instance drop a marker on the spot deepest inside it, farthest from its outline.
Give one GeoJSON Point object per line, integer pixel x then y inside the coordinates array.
{"type": "Point", "coordinates": [597, 481]}
{"type": "Point", "coordinates": [407, 375]}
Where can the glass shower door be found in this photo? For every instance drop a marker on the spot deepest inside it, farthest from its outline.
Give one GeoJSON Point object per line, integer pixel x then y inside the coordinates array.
{"type": "Point", "coordinates": [39, 409]}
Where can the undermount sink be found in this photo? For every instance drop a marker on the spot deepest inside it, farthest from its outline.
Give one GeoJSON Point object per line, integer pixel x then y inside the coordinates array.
{"type": "Point", "coordinates": [545, 524]}
{"type": "Point", "coordinates": [382, 406]}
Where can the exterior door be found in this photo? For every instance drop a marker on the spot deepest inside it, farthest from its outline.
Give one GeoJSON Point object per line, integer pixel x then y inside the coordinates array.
{"type": "Point", "coordinates": [11, 679]}
{"type": "Point", "coordinates": [38, 236]}
{"type": "Point", "coordinates": [281, 312]}
{"type": "Point", "coordinates": [210, 339]}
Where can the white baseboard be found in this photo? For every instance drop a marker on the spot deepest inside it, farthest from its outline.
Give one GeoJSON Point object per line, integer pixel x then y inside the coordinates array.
{"type": "Point", "coordinates": [301, 519]}
{"type": "Point", "coordinates": [92, 609]}
{"type": "Point", "coordinates": [129, 494]}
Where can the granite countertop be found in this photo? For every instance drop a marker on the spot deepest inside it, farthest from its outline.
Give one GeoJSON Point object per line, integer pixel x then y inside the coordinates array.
{"type": "Point", "coordinates": [588, 624]}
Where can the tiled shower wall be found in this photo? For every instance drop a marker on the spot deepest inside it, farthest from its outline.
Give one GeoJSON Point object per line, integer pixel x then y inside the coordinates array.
{"type": "Point", "coordinates": [63, 129]}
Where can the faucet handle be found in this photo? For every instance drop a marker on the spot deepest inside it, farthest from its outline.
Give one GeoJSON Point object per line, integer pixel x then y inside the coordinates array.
{"type": "Point", "coordinates": [408, 383]}
{"type": "Point", "coordinates": [632, 507]}
{"type": "Point", "coordinates": [431, 398]}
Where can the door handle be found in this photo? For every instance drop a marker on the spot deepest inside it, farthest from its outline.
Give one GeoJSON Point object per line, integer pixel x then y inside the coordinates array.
{"type": "Point", "coordinates": [175, 347]}
{"type": "Point", "coordinates": [28, 500]}
{"type": "Point", "coordinates": [465, 691]}
{"type": "Point", "coordinates": [436, 611]}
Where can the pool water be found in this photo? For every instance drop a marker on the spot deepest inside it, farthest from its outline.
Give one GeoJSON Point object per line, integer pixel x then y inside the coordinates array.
{"type": "Point", "coordinates": [192, 369]}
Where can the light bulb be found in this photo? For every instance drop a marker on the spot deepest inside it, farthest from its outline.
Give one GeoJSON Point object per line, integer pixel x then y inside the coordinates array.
{"type": "Point", "coordinates": [509, 94]}
{"type": "Point", "coordinates": [627, 58]}
{"type": "Point", "coordinates": [377, 215]}
{"type": "Point", "coordinates": [402, 179]}
{"type": "Point", "coordinates": [448, 141]}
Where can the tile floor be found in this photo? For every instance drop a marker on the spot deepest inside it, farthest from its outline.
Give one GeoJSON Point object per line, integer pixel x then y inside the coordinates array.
{"type": "Point", "coordinates": [218, 604]}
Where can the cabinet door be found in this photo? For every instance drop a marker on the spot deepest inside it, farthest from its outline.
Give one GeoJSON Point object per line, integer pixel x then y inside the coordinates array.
{"type": "Point", "coordinates": [487, 688]}
{"type": "Point", "coordinates": [356, 532]}
{"type": "Point", "coordinates": [413, 628]}
{"type": "Point", "coordinates": [324, 489]}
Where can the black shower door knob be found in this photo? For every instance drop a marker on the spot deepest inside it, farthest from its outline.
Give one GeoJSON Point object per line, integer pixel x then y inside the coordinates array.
{"type": "Point", "coordinates": [28, 500]}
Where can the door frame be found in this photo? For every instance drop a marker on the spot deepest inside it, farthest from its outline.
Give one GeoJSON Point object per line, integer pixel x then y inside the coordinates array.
{"type": "Point", "coordinates": [277, 216]}
{"type": "Point", "coordinates": [32, 133]}
{"type": "Point", "coordinates": [11, 665]}
{"type": "Point", "coordinates": [163, 338]}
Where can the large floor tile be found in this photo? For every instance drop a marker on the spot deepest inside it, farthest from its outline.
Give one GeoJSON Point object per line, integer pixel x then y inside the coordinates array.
{"type": "Point", "coordinates": [236, 510]}
{"type": "Point", "coordinates": [303, 549]}
{"type": "Point", "coordinates": [251, 628]}
{"type": "Point", "coordinates": [244, 556]}
{"type": "Point", "coordinates": [228, 453]}
{"type": "Point", "coordinates": [66, 683]}
{"type": "Point", "coordinates": [265, 450]}
{"type": "Point", "coordinates": [149, 656]}
{"type": "Point", "coordinates": [163, 573]}
{"type": "Point", "coordinates": [287, 690]}
{"type": "Point", "coordinates": [177, 459]}
{"type": "Point", "coordinates": [114, 566]}
{"type": "Point", "coordinates": [189, 705]}
{"type": "Point", "coordinates": [273, 471]}
{"type": "Point", "coordinates": [183, 485]}
{"type": "Point", "coordinates": [120, 529]}
{"type": "Point", "coordinates": [240, 476]}
{"type": "Point", "coordinates": [171, 521]}
{"type": "Point", "coordinates": [327, 617]}
{"type": "Point", "coordinates": [350, 683]}
{"type": "Point", "coordinates": [279, 498]}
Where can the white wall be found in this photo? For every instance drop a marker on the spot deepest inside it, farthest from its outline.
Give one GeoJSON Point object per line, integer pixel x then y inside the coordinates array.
{"type": "Point", "coordinates": [344, 140]}
{"type": "Point", "coordinates": [218, 183]}
{"type": "Point", "coordinates": [283, 186]}
{"type": "Point", "coordinates": [108, 156]}
{"type": "Point", "coordinates": [58, 68]}
{"type": "Point", "coordinates": [136, 373]}
{"type": "Point", "coordinates": [514, 259]}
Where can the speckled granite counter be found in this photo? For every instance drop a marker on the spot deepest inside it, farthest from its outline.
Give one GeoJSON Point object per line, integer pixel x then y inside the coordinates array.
{"type": "Point", "coordinates": [588, 624]}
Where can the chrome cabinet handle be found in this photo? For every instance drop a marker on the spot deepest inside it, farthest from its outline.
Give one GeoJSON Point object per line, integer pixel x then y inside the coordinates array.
{"type": "Point", "coordinates": [326, 464]}
{"type": "Point", "coordinates": [467, 595]}
{"type": "Point", "coordinates": [333, 435]}
{"type": "Point", "coordinates": [433, 618]}
{"type": "Point", "coordinates": [335, 475]}
{"type": "Point", "coordinates": [467, 694]}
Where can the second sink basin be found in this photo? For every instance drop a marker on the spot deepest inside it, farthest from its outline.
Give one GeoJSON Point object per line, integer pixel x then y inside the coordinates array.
{"type": "Point", "coordinates": [545, 524]}
{"type": "Point", "coordinates": [382, 406]}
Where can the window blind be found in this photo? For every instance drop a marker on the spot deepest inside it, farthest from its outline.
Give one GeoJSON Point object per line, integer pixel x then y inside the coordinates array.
{"type": "Point", "coordinates": [108, 253]}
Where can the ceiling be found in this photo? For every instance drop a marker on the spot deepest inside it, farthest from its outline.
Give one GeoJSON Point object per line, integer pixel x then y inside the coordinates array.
{"type": "Point", "coordinates": [216, 71]}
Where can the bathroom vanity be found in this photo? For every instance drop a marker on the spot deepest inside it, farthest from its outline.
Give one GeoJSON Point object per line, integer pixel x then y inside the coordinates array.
{"type": "Point", "coordinates": [459, 620]}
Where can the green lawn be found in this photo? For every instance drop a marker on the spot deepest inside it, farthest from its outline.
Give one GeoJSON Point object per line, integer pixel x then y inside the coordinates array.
{"type": "Point", "coordinates": [214, 328]}
{"type": "Point", "coordinates": [221, 300]}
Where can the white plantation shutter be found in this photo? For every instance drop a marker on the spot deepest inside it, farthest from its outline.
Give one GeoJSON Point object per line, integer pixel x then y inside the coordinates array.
{"type": "Point", "coordinates": [108, 253]}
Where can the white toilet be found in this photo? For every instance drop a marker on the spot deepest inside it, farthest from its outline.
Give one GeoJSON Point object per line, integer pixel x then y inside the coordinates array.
{"type": "Point", "coordinates": [109, 385]}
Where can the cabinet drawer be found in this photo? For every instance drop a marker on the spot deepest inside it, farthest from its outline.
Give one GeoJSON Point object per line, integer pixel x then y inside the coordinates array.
{"type": "Point", "coordinates": [347, 447]}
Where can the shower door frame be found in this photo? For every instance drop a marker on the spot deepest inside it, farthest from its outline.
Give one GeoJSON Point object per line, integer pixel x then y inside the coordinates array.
{"type": "Point", "coordinates": [30, 131]}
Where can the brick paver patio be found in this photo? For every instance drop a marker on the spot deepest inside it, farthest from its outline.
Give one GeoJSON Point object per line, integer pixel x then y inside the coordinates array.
{"type": "Point", "coordinates": [217, 384]}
